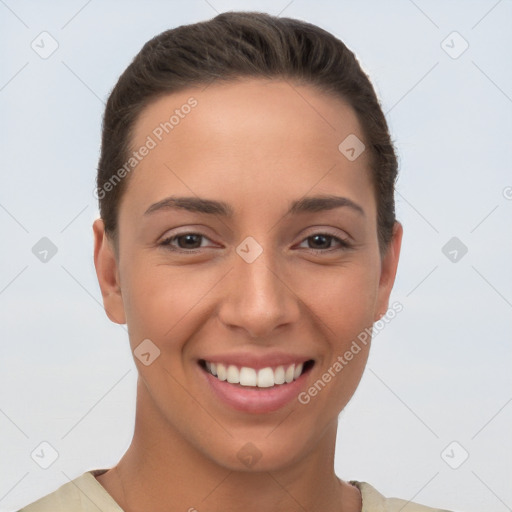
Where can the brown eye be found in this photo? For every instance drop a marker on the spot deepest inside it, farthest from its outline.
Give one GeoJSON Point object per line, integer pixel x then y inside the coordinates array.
{"type": "Point", "coordinates": [323, 242]}
{"type": "Point", "coordinates": [189, 241]}
{"type": "Point", "coordinates": [184, 242]}
{"type": "Point", "coordinates": [320, 241]}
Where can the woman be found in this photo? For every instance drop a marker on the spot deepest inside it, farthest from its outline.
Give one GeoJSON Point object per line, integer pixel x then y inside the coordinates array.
{"type": "Point", "coordinates": [248, 240]}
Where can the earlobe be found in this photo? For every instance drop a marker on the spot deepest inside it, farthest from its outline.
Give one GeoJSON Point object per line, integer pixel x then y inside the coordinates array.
{"type": "Point", "coordinates": [107, 272]}
{"type": "Point", "coordinates": [389, 265]}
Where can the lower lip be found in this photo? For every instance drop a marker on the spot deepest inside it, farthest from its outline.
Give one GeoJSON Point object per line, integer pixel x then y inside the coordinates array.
{"type": "Point", "coordinates": [255, 400]}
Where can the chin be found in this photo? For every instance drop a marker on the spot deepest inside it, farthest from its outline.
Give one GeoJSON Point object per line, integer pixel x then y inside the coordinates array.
{"type": "Point", "coordinates": [261, 453]}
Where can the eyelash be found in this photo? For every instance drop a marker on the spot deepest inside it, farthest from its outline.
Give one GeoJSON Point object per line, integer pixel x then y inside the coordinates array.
{"type": "Point", "coordinates": [344, 244]}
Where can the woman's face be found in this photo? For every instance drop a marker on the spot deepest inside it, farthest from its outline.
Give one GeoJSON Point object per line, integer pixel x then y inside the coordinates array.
{"type": "Point", "coordinates": [226, 258]}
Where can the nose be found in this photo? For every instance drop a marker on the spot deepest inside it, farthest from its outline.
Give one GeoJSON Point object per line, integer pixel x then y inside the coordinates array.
{"type": "Point", "coordinates": [258, 297]}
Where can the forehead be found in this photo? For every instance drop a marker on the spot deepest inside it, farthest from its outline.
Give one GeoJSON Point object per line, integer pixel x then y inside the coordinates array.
{"type": "Point", "coordinates": [248, 139]}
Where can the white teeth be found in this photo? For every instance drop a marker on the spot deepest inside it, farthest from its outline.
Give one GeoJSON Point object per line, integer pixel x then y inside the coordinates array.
{"type": "Point", "coordinates": [279, 375]}
{"type": "Point", "coordinates": [263, 378]}
{"type": "Point", "coordinates": [248, 376]}
{"type": "Point", "coordinates": [233, 375]}
{"type": "Point", "coordinates": [221, 371]}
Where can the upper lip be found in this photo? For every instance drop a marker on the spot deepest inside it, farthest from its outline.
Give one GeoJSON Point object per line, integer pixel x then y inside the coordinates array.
{"type": "Point", "coordinates": [257, 361]}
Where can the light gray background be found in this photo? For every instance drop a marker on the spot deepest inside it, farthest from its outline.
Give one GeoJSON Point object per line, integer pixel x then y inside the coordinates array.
{"type": "Point", "coordinates": [439, 372]}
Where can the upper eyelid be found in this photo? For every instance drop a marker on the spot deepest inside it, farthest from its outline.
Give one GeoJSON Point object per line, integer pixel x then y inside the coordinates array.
{"type": "Point", "coordinates": [314, 231]}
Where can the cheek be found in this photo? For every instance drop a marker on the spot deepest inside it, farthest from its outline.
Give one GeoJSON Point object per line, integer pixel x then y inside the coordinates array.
{"type": "Point", "coordinates": [161, 299]}
{"type": "Point", "coordinates": [342, 298]}
{"type": "Point", "coordinates": [342, 301]}
{"type": "Point", "coordinates": [342, 305]}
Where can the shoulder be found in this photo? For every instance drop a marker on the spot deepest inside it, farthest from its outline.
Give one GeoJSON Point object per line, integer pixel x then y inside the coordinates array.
{"type": "Point", "coordinates": [374, 501]}
{"type": "Point", "coordinates": [83, 494]}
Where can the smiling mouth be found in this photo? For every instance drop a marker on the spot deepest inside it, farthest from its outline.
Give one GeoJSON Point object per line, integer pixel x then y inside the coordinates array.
{"type": "Point", "coordinates": [256, 378]}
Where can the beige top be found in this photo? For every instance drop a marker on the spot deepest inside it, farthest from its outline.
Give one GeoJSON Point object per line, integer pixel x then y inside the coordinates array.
{"type": "Point", "coordinates": [86, 494]}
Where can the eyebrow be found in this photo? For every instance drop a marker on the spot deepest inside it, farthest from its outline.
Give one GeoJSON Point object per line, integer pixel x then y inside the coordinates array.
{"type": "Point", "coordinates": [308, 204]}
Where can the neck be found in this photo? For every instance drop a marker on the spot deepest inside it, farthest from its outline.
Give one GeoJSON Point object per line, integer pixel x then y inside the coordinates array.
{"type": "Point", "coordinates": [163, 472]}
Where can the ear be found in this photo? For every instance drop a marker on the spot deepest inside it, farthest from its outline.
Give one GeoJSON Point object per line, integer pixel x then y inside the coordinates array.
{"type": "Point", "coordinates": [107, 271]}
{"type": "Point", "coordinates": [389, 266]}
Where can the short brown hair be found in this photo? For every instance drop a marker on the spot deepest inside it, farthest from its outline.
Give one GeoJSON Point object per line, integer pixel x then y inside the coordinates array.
{"type": "Point", "coordinates": [235, 45]}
